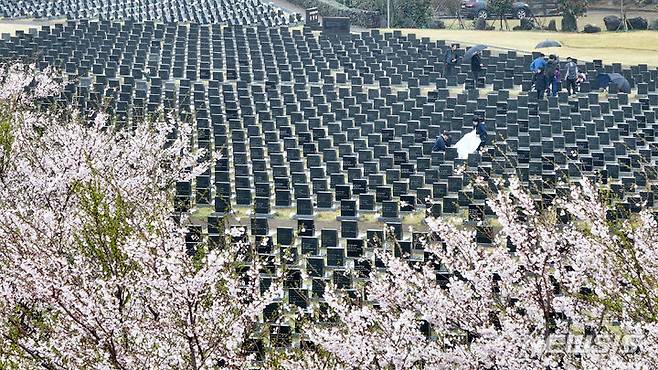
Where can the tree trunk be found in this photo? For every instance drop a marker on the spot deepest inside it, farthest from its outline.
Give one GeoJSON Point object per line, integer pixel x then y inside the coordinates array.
{"type": "Point", "coordinates": [622, 10]}
{"type": "Point", "coordinates": [193, 362]}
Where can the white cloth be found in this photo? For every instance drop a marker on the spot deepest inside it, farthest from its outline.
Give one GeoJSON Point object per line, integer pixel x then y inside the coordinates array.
{"type": "Point", "coordinates": [467, 145]}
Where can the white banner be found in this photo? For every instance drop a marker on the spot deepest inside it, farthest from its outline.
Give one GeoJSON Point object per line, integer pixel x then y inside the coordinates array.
{"type": "Point", "coordinates": [467, 145]}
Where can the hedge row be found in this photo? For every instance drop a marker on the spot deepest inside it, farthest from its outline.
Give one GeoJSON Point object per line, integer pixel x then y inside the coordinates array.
{"type": "Point", "coordinates": [331, 8]}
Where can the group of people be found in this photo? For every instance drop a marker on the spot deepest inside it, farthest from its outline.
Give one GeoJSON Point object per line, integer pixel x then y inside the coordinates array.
{"type": "Point", "coordinates": [444, 141]}
{"type": "Point", "coordinates": [548, 77]}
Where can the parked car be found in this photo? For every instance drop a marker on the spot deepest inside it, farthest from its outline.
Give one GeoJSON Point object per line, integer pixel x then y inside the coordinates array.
{"type": "Point", "coordinates": [480, 9]}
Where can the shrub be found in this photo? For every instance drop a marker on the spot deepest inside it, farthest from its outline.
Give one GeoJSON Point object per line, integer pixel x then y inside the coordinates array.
{"type": "Point", "coordinates": [637, 23]}
{"type": "Point", "coordinates": [569, 23]}
{"type": "Point", "coordinates": [612, 22]}
{"type": "Point", "coordinates": [590, 28]}
{"type": "Point", "coordinates": [526, 25]}
{"type": "Point", "coordinates": [437, 25]}
{"type": "Point", "coordinates": [480, 24]}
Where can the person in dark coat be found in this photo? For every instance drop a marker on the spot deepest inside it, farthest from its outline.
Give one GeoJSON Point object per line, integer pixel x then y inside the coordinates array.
{"type": "Point", "coordinates": [443, 141]}
{"type": "Point", "coordinates": [553, 74]}
{"type": "Point", "coordinates": [476, 67]}
{"type": "Point", "coordinates": [481, 130]}
{"type": "Point", "coordinates": [541, 83]}
{"type": "Point", "coordinates": [450, 60]}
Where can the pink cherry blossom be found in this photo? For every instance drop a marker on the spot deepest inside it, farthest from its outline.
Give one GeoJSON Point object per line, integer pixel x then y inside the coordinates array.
{"type": "Point", "coordinates": [94, 270]}
{"type": "Point", "coordinates": [576, 295]}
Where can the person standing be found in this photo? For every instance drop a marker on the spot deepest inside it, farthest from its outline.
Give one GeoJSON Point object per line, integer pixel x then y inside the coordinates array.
{"type": "Point", "coordinates": [450, 60]}
{"type": "Point", "coordinates": [476, 68]}
{"type": "Point", "coordinates": [541, 83]}
{"type": "Point", "coordinates": [443, 141]}
{"type": "Point", "coordinates": [571, 76]}
{"type": "Point", "coordinates": [553, 74]}
{"type": "Point", "coordinates": [555, 85]}
{"type": "Point", "coordinates": [481, 130]}
{"type": "Point", "coordinates": [538, 63]}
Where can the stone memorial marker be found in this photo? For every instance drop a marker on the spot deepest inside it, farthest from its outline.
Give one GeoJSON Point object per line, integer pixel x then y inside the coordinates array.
{"type": "Point", "coordinates": [348, 210]}
{"type": "Point", "coordinates": [305, 208]}
{"type": "Point", "coordinates": [309, 245]}
{"type": "Point", "coordinates": [349, 229]}
{"type": "Point", "coordinates": [329, 238]}
{"type": "Point", "coordinates": [366, 202]}
{"type": "Point", "coordinates": [262, 207]}
{"type": "Point", "coordinates": [390, 211]}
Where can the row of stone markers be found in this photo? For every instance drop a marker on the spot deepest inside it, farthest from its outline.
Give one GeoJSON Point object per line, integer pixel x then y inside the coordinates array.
{"type": "Point", "coordinates": [234, 12]}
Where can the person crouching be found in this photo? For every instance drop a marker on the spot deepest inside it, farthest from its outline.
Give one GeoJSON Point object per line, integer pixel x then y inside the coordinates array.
{"type": "Point", "coordinates": [443, 142]}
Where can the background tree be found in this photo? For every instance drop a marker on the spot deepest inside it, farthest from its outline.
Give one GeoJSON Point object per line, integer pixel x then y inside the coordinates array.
{"type": "Point", "coordinates": [404, 14]}
{"type": "Point", "coordinates": [451, 8]}
{"type": "Point", "coordinates": [448, 7]}
{"type": "Point", "coordinates": [500, 9]}
{"type": "Point", "coordinates": [571, 10]}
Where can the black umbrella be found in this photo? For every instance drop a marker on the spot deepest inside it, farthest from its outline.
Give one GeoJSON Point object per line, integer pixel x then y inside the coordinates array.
{"type": "Point", "coordinates": [605, 79]}
{"type": "Point", "coordinates": [474, 49]}
{"type": "Point", "coordinates": [548, 44]}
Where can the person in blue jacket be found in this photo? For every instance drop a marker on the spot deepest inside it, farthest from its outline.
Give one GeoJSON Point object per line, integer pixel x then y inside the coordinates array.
{"type": "Point", "coordinates": [443, 141]}
{"type": "Point", "coordinates": [481, 130]}
{"type": "Point", "coordinates": [538, 63]}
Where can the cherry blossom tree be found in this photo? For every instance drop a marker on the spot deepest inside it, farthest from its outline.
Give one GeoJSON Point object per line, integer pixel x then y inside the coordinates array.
{"type": "Point", "coordinates": [567, 286]}
{"type": "Point", "coordinates": [94, 268]}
